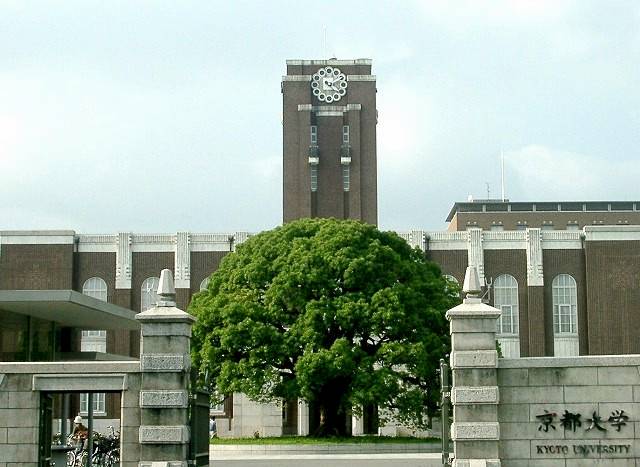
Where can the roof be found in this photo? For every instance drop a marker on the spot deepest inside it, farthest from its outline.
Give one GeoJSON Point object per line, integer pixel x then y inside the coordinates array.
{"type": "Point", "coordinates": [331, 61]}
{"type": "Point", "coordinates": [68, 308]}
{"type": "Point", "coordinates": [544, 206]}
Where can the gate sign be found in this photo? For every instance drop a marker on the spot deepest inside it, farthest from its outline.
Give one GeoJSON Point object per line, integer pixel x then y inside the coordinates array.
{"type": "Point", "coordinates": [552, 422]}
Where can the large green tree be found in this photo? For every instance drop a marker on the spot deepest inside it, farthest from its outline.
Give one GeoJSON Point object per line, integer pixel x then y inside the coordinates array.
{"type": "Point", "coordinates": [337, 313]}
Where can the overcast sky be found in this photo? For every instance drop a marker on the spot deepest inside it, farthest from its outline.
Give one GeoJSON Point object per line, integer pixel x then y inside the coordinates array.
{"type": "Point", "coordinates": [153, 116]}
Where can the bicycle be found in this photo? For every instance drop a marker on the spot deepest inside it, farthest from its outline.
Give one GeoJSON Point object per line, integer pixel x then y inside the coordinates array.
{"type": "Point", "coordinates": [105, 452]}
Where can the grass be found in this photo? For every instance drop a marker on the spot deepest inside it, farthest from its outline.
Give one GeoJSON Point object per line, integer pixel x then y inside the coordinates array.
{"type": "Point", "coordinates": [332, 440]}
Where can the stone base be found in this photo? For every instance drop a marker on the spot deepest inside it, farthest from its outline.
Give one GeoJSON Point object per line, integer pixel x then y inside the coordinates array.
{"type": "Point", "coordinates": [162, 464]}
{"type": "Point", "coordinates": [476, 463]}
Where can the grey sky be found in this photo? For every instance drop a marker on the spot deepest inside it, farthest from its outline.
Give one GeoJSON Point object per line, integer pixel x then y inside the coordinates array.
{"type": "Point", "coordinates": [163, 116]}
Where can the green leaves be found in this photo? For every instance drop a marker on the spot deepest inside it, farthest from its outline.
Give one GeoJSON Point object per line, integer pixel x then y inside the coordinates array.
{"type": "Point", "coordinates": [320, 304]}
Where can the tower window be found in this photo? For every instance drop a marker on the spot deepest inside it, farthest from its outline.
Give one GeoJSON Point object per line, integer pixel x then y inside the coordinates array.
{"type": "Point", "coordinates": [314, 177]}
{"type": "Point", "coordinates": [345, 134]}
{"type": "Point", "coordinates": [314, 134]}
{"type": "Point", "coordinates": [346, 177]}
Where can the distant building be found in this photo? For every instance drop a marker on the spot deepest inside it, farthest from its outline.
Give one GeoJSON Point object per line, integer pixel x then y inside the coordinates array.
{"type": "Point", "coordinates": [492, 214]}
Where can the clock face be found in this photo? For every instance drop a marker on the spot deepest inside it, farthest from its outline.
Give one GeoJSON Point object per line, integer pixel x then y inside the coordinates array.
{"type": "Point", "coordinates": [329, 84]}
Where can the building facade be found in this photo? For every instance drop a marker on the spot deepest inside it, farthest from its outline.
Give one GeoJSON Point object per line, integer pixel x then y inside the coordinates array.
{"type": "Point", "coordinates": [561, 292]}
{"type": "Point", "coordinates": [329, 140]}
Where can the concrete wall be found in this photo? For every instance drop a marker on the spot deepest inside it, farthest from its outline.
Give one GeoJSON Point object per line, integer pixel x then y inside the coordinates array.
{"type": "Point", "coordinates": [545, 411]}
{"type": "Point", "coordinates": [582, 385]}
{"type": "Point", "coordinates": [21, 385]}
{"type": "Point", "coordinates": [19, 421]}
{"type": "Point", "coordinates": [251, 417]}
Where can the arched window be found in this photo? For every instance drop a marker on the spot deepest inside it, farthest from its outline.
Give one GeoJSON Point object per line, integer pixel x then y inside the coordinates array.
{"type": "Point", "coordinates": [505, 298]}
{"type": "Point", "coordinates": [149, 293]}
{"type": "Point", "coordinates": [565, 305]}
{"type": "Point", "coordinates": [94, 340]}
{"type": "Point", "coordinates": [453, 291]}
{"type": "Point", "coordinates": [451, 278]}
{"type": "Point", "coordinates": [204, 284]}
{"type": "Point", "coordinates": [505, 290]}
{"type": "Point", "coordinates": [96, 288]}
{"type": "Point", "coordinates": [565, 316]}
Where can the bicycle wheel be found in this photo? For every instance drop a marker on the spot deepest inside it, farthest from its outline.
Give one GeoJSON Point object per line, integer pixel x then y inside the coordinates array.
{"type": "Point", "coordinates": [71, 459]}
{"type": "Point", "coordinates": [81, 460]}
{"type": "Point", "coordinates": [111, 460]}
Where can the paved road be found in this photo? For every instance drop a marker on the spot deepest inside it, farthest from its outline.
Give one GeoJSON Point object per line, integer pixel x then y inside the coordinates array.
{"type": "Point", "coordinates": [332, 460]}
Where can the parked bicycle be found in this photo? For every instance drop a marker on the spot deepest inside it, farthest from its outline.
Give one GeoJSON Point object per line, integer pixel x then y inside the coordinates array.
{"type": "Point", "coordinates": [105, 452]}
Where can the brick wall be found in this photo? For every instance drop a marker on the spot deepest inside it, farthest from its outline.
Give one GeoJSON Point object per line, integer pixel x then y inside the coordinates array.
{"type": "Point", "coordinates": [36, 267]}
{"type": "Point", "coordinates": [612, 270]}
{"type": "Point", "coordinates": [452, 262]}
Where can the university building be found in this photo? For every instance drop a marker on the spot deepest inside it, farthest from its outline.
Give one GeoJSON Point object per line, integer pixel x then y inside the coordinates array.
{"type": "Point", "coordinates": [566, 275]}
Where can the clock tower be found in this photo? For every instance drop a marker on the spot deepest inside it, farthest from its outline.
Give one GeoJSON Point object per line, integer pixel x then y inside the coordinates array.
{"type": "Point", "coordinates": [329, 140]}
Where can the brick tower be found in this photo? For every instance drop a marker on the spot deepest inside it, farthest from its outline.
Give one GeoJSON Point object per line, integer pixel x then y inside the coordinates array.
{"type": "Point", "coordinates": [329, 140]}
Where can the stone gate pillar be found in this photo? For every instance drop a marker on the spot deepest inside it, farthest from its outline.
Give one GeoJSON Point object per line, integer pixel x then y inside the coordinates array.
{"type": "Point", "coordinates": [164, 391]}
{"type": "Point", "coordinates": [474, 393]}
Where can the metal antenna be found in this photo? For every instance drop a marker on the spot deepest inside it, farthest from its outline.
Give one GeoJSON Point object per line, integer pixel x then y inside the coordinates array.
{"type": "Point", "coordinates": [324, 42]}
{"type": "Point", "coordinates": [488, 190]}
{"type": "Point", "coordinates": [502, 172]}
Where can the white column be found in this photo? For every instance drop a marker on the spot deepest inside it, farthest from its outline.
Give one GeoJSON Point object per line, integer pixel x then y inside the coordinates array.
{"type": "Point", "coordinates": [123, 261]}
{"type": "Point", "coordinates": [475, 252]}
{"type": "Point", "coordinates": [183, 260]}
{"type": "Point", "coordinates": [534, 258]}
{"type": "Point", "coordinates": [417, 239]}
{"type": "Point", "coordinates": [303, 418]}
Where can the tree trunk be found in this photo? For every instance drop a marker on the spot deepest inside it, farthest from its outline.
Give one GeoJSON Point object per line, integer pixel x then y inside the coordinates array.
{"type": "Point", "coordinates": [333, 416]}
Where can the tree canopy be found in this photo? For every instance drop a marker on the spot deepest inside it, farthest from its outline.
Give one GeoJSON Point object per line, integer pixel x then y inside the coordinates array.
{"type": "Point", "coordinates": [335, 312]}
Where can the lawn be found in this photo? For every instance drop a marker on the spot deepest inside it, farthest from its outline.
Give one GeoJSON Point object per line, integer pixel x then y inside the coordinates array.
{"type": "Point", "coordinates": [332, 440]}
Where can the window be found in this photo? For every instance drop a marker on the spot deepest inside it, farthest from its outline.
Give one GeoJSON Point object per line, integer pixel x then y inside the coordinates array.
{"type": "Point", "coordinates": [216, 406]}
{"type": "Point", "coordinates": [346, 177]}
{"type": "Point", "coordinates": [565, 305]}
{"type": "Point", "coordinates": [99, 406]}
{"type": "Point", "coordinates": [345, 134]}
{"type": "Point", "coordinates": [314, 177]}
{"type": "Point", "coordinates": [505, 290]}
{"type": "Point", "coordinates": [497, 227]}
{"type": "Point", "coordinates": [94, 340]}
{"type": "Point", "coordinates": [149, 293]}
{"type": "Point", "coordinates": [314, 134]}
{"type": "Point", "coordinates": [451, 278]}
{"type": "Point", "coordinates": [96, 288]}
{"type": "Point", "coordinates": [453, 287]}
{"type": "Point", "coordinates": [204, 284]}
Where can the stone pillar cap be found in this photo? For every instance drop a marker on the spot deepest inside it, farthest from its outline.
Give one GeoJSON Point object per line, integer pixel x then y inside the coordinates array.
{"type": "Point", "coordinates": [165, 310]}
{"type": "Point", "coordinates": [166, 289]}
{"type": "Point", "coordinates": [471, 286]}
{"type": "Point", "coordinates": [472, 306]}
